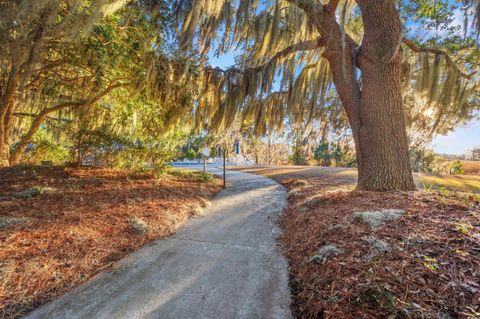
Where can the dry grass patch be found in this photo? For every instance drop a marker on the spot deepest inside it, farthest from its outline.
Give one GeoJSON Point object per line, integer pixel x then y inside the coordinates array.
{"type": "Point", "coordinates": [471, 167]}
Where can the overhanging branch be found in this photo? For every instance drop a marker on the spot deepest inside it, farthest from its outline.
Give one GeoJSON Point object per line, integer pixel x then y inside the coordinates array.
{"type": "Point", "coordinates": [298, 47]}
{"type": "Point", "coordinates": [22, 114]}
{"type": "Point", "coordinates": [294, 48]}
{"type": "Point", "coordinates": [448, 59]}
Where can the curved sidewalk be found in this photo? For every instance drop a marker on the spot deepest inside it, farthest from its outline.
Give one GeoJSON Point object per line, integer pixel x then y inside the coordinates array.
{"type": "Point", "coordinates": [222, 265]}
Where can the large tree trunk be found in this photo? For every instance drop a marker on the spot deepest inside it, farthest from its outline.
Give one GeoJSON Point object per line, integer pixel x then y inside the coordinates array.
{"type": "Point", "coordinates": [375, 107]}
{"type": "Point", "coordinates": [17, 153]}
{"type": "Point", "coordinates": [25, 139]}
{"type": "Point", "coordinates": [382, 139]}
{"type": "Point", "coordinates": [4, 147]}
{"type": "Point", "coordinates": [7, 102]}
{"type": "Point", "coordinates": [4, 150]}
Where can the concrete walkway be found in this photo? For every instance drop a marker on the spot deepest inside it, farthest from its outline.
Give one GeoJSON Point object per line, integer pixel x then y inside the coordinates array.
{"type": "Point", "coordinates": [222, 265]}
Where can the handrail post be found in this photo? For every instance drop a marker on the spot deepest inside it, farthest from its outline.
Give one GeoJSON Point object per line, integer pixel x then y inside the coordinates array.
{"type": "Point", "coordinates": [224, 173]}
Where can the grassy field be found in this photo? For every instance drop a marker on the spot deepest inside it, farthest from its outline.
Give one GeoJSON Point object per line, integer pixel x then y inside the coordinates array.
{"type": "Point", "coordinates": [471, 167]}
{"type": "Point", "coordinates": [463, 183]}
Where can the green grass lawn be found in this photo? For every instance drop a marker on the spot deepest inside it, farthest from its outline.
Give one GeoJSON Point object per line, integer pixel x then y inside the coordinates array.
{"type": "Point", "coordinates": [464, 183]}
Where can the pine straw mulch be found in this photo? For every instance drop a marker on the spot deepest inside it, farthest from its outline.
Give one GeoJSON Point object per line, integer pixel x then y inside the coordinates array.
{"type": "Point", "coordinates": [433, 270]}
{"type": "Point", "coordinates": [83, 227]}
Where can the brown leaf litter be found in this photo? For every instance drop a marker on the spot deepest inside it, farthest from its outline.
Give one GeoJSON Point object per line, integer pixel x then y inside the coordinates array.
{"type": "Point", "coordinates": [89, 218]}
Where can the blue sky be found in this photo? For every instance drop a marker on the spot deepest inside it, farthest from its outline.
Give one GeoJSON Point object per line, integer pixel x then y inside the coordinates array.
{"type": "Point", "coordinates": [459, 141]}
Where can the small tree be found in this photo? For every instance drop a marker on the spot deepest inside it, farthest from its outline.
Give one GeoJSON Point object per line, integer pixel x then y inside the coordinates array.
{"type": "Point", "coordinates": [323, 155]}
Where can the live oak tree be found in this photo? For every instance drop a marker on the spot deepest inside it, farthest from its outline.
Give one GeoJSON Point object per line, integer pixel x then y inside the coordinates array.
{"type": "Point", "coordinates": [31, 35]}
{"type": "Point", "coordinates": [293, 50]}
{"type": "Point", "coordinates": [58, 59]}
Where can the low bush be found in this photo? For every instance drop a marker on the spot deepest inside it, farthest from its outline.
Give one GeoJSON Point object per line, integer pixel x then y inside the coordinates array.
{"type": "Point", "coordinates": [182, 173]}
{"type": "Point", "coordinates": [204, 177]}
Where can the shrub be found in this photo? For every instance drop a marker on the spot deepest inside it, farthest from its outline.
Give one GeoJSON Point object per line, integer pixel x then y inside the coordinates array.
{"type": "Point", "coordinates": [45, 148]}
{"type": "Point", "coordinates": [456, 168]}
{"type": "Point", "coordinates": [182, 173]}
{"type": "Point", "coordinates": [204, 177]}
{"type": "Point", "coordinates": [112, 150]}
{"type": "Point", "coordinates": [333, 155]}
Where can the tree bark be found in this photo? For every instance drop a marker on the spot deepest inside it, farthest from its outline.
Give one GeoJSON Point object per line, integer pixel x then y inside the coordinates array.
{"type": "Point", "coordinates": [3, 151]}
{"type": "Point", "coordinates": [25, 139]}
{"type": "Point", "coordinates": [382, 135]}
{"type": "Point", "coordinates": [383, 141]}
{"type": "Point", "coordinates": [7, 101]}
{"type": "Point", "coordinates": [4, 147]}
{"type": "Point", "coordinates": [373, 102]}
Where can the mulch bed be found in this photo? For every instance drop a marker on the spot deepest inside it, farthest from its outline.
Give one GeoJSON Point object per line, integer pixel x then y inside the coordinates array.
{"type": "Point", "coordinates": [63, 238]}
{"type": "Point", "coordinates": [432, 270]}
